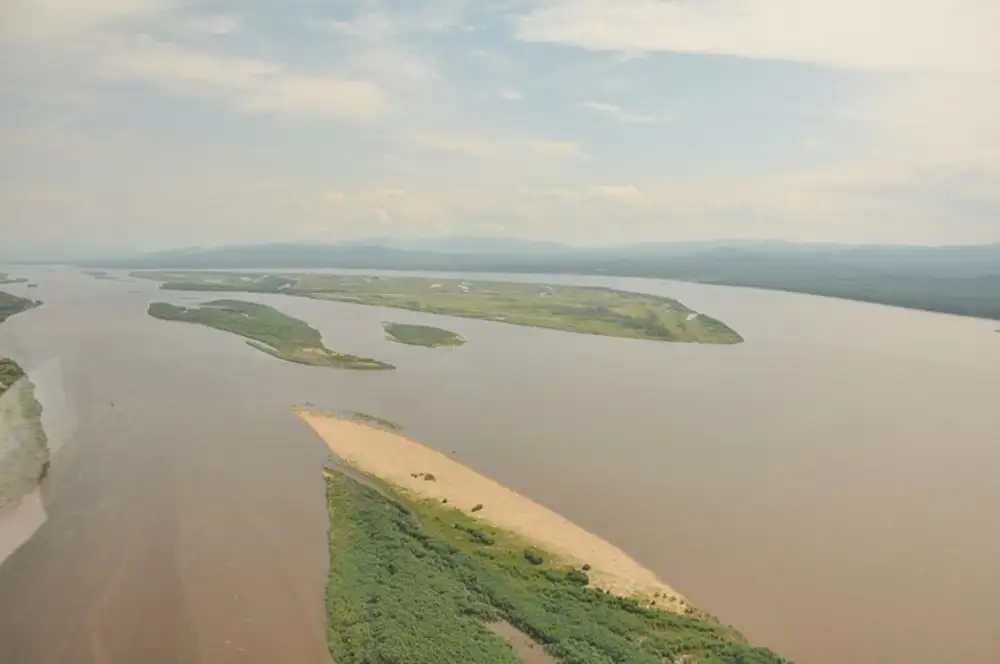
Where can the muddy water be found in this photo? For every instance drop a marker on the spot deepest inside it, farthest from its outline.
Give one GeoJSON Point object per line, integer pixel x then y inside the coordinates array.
{"type": "Point", "coordinates": [828, 486]}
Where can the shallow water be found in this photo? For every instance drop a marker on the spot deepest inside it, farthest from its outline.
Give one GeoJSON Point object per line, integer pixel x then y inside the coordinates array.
{"type": "Point", "coordinates": [826, 486]}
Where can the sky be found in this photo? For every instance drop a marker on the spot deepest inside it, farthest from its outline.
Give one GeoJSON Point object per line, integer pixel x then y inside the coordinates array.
{"type": "Point", "coordinates": [149, 124]}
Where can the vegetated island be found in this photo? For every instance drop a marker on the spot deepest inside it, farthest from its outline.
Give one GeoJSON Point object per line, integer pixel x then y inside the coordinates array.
{"type": "Point", "coordinates": [963, 280]}
{"type": "Point", "coordinates": [267, 330]}
{"type": "Point", "coordinates": [7, 279]}
{"type": "Point", "coordinates": [101, 274]}
{"type": "Point", "coordinates": [588, 310]}
{"type": "Point", "coordinates": [24, 452]}
{"type": "Point", "coordinates": [12, 304]}
{"type": "Point", "coordinates": [422, 335]}
{"type": "Point", "coordinates": [432, 562]}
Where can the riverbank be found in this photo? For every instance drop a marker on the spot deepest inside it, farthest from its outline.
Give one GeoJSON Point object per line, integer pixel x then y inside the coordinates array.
{"type": "Point", "coordinates": [431, 561]}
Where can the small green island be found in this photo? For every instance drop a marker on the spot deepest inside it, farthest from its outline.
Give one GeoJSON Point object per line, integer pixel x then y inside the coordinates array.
{"type": "Point", "coordinates": [586, 310]}
{"type": "Point", "coordinates": [422, 335]}
{"type": "Point", "coordinates": [7, 279]}
{"type": "Point", "coordinates": [101, 274]}
{"type": "Point", "coordinates": [268, 330]}
{"type": "Point", "coordinates": [419, 581]}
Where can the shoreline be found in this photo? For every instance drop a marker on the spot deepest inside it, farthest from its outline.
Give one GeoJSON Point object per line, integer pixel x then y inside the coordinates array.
{"type": "Point", "coordinates": [406, 464]}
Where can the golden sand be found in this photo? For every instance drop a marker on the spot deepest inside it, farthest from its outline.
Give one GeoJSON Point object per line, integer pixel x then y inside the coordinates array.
{"type": "Point", "coordinates": [395, 459]}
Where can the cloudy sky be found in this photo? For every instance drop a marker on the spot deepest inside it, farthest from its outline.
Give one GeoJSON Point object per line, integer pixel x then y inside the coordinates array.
{"type": "Point", "coordinates": [158, 123]}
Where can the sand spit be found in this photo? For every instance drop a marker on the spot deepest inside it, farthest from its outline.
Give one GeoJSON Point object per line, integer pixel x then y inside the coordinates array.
{"type": "Point", "coordinates": [396, 459]}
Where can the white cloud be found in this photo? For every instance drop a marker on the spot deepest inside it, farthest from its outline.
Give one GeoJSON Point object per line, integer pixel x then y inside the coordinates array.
{"type": "Point", "coordinates": [167, 65]}
{"type": "Point", "coordinates": [215, 24]}
{"type": "Point", "coordinates": [395, 63]}
{"type": "Point", "coordinates": [483, 146]}
{"type": "Point", "coordinates": [249, 84]}
{"type": "Point", "coordinates": [619, 113]}
{"type": "Point", "coordinates": [951, 121]}
{"type": "Point", "coordinates": [468, 145]}
{"type": "Point", "coordinates": [888, 35]}
{"type": "Point", "coordinates": [406, 211]}
{"type": "Point", "coordinates": [47, 138]}
{"type": "Point", "coordinates": [46, 19]}
{"type": "Point", "coordinates": [933, 103]}
{"type": "Point", "coordinates": [376, 43]}
{"type": "Point", "coordinates": [555, 148]}
{"type": "Point", "coordinates": [380, 24]}
{"type": "Point", "coordinates": [35, 195]}
{"type": "Point", "coordinates": [510, 94]}
{"type": "Point", "coordinates": [317, 97]}
{"type": "Point", "coordinates": [628, 194]}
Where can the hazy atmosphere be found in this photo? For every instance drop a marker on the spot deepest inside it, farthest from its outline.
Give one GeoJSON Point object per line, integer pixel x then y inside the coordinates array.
{"type": "Point", "coordinates": [147, 124]}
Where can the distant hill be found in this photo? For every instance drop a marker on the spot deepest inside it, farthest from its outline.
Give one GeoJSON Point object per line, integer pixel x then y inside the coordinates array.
{"type": "Point", "coordinates": [953, 279]}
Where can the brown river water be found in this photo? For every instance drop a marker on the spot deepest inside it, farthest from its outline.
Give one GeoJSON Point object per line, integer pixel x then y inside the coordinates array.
{"type": "Point", "coordinates": [829, 487]}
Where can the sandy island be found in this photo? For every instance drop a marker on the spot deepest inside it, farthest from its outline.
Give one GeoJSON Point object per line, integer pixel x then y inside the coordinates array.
{"type": "Point", "coordinates": [395, 459]}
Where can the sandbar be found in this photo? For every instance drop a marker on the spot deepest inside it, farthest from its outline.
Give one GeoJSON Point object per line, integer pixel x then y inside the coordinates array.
{"type": "Point", "coordinates": [402, 462]}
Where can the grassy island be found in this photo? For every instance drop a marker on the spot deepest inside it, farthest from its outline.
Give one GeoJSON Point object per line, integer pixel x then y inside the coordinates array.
{"type": "Point", "coordinates": [101, 274]}
{"type": "Point", "coordinates": [267, 330]}
{"type": "Point", "coordinates": [7, 279]}
{"type": "Point", "coordinates": [11, 305]}
{"type": "Point", "coordinates": [587, 310]}
{"type": "Point", "coordinates": [422, 572]}
{"type": "Point", "coordinates": [24, 452]}
{"type": "Point", "coordinates": [422, 335]}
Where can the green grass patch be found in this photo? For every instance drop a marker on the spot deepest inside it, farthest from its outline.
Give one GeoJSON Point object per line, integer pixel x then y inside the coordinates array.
{"type": "Point", "coordinates": [417, 581]}
{"type": "Point", "coordinates": [586, 310]}
{"type": "Point", "coordinates": [421, 335]}
{"type": "Point", "coordinates": [268, 330]}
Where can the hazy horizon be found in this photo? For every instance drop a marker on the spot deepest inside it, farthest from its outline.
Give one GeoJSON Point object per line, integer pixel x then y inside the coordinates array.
{"type": "Point", "coordinates": [153, 124]}
{"type": "Point", "coordinates": [468, 244]}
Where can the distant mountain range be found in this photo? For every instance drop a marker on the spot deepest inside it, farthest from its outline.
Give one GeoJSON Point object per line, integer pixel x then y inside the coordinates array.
{"type": "Point", "coordinates": [953, 279]}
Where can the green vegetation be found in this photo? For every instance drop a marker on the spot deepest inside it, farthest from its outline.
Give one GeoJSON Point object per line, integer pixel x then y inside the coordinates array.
{"type": "Point", "coordinates": [24, 453]}
{"type": "Point", "coordinates": [7, 279]}
{"type": "Point", "coordinates": [269, 331]}
{"type": "Point", "coordinates": [101, 274]}
{"type": "Point", "coordinates": [11, 305]}
{"type": "Point", "coordinates": [961, 280]}
{"type": "Point", "coordinates": [421, 335]}
{"type": "Point", "coordinates": [373, 421]}
{"type": "Point", "coordinates": [364, 418]}
{"type": "Point", "coordinates": [533, 557]}
{"type": "Point", "coordinates": [602, 311]}
{"type": "Point", "coordinates": [416, 581]}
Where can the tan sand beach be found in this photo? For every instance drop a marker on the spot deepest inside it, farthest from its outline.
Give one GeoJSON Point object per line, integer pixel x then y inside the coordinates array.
{"type": "Point", "coordinates": [395, 459]}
